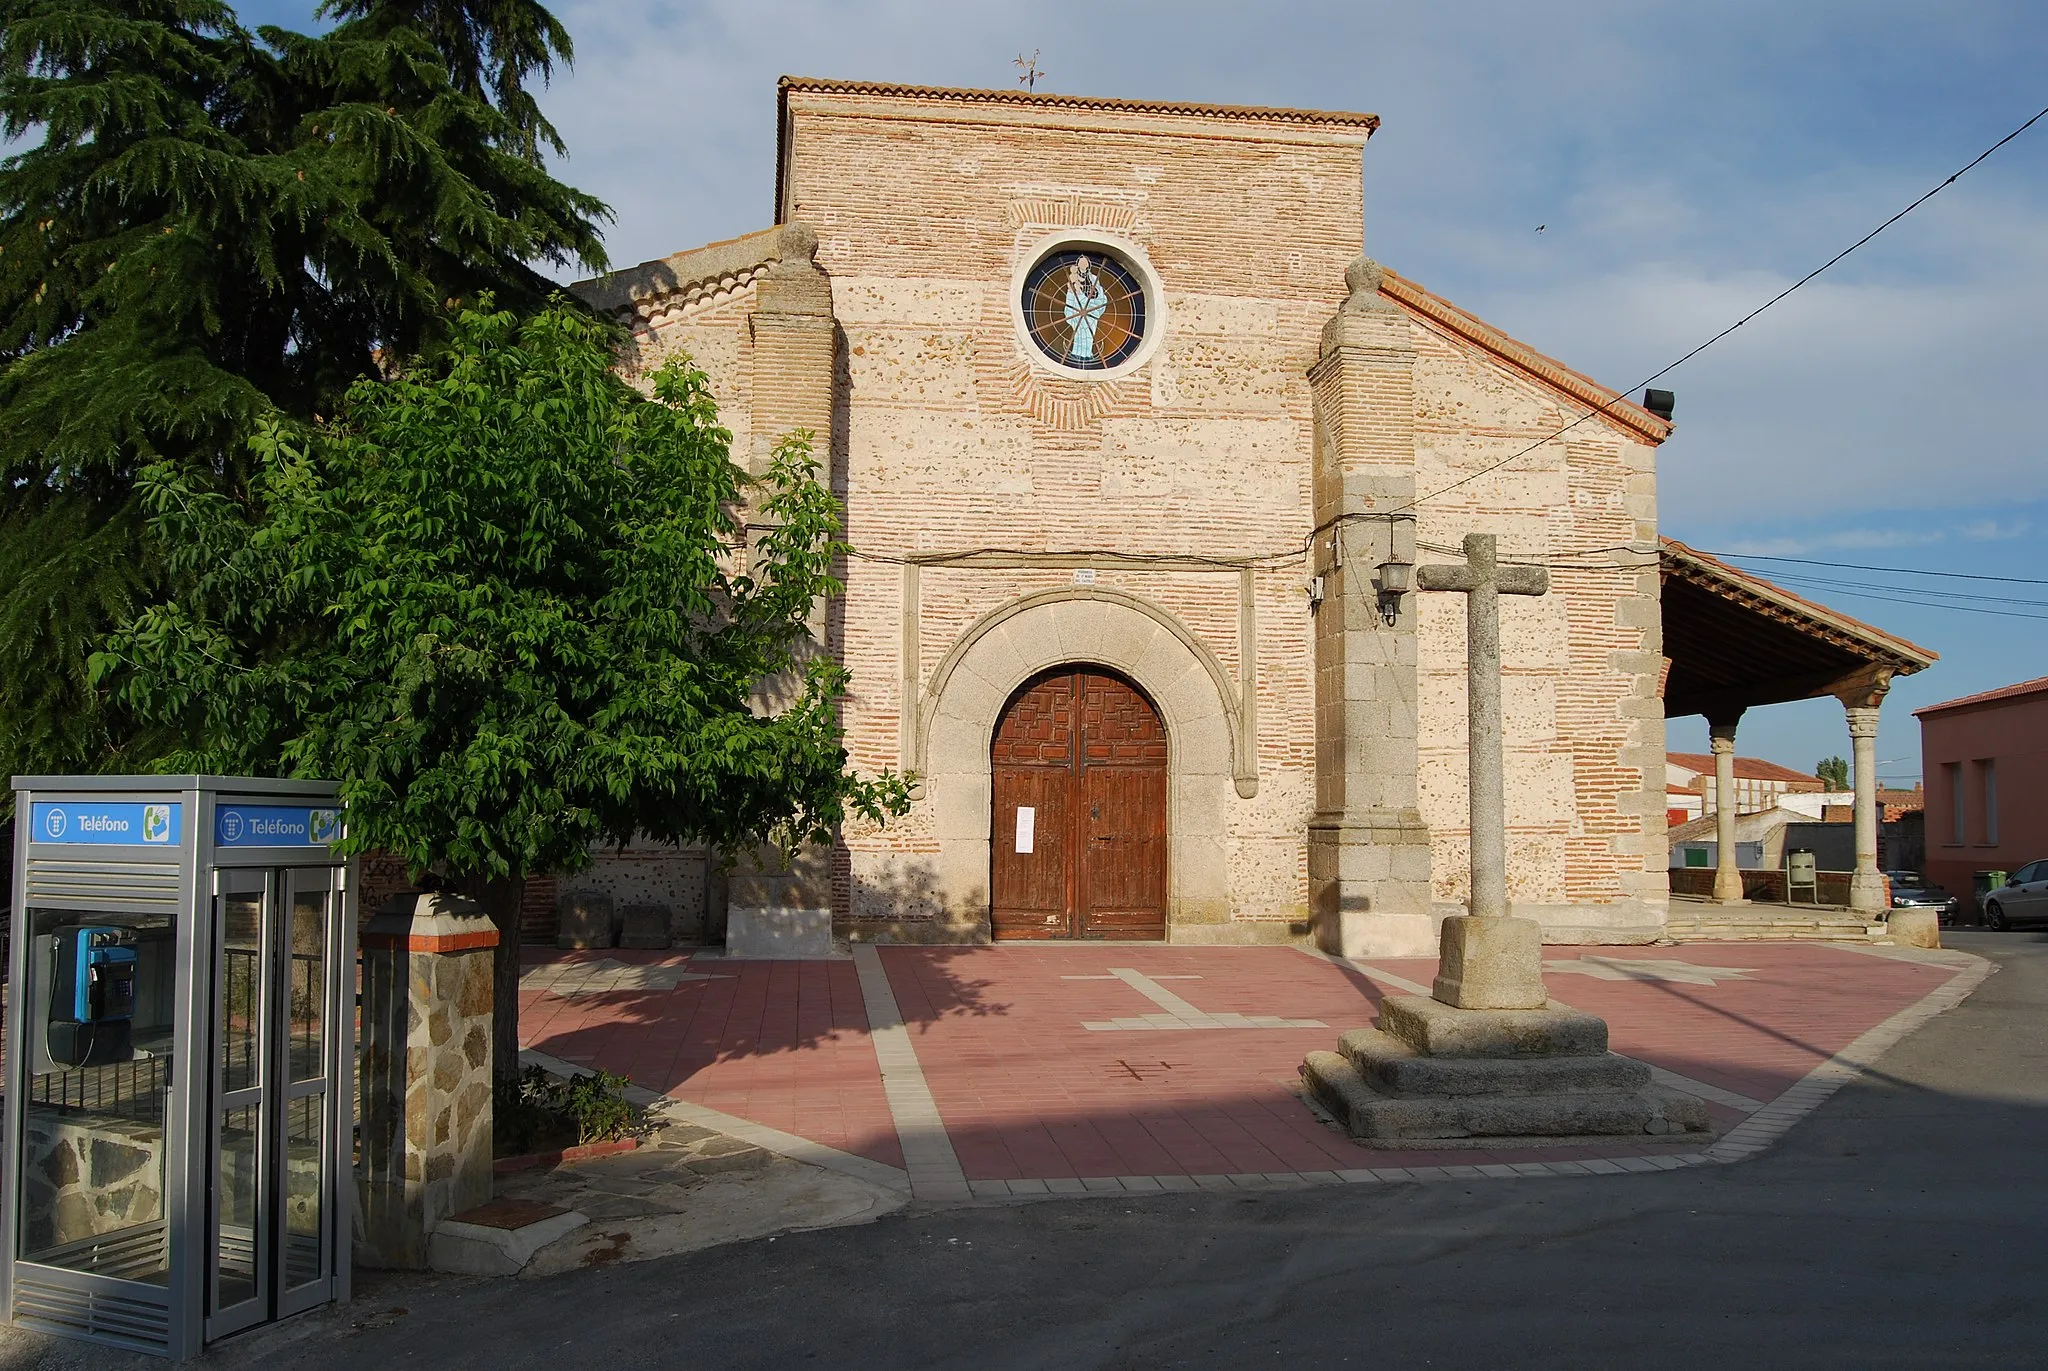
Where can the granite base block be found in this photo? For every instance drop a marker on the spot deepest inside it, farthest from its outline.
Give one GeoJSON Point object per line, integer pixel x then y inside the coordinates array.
{"type": "Point", "coordinates": [1372, 1116]}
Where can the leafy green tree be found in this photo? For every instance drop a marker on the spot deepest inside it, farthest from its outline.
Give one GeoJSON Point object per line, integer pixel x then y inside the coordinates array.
{"type": "Point", "coordinates": [513, 607]}
{"type": "Point", "coordinates": [206, 229]}
{"type": "Point", "coordinates": [1833, 773]}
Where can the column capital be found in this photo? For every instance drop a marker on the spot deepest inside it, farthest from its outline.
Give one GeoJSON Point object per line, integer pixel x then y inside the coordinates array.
{"type": "Point", "coordinates": [1865, 690]}
{"type": "Point", "coordinates": [1721, 730]}
{"type": "Point", "coordinates": [1862, 720]}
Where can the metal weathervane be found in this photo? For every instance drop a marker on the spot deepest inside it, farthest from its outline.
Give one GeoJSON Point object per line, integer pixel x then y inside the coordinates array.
{"type": "Point", "coordinates": [1029, 65]}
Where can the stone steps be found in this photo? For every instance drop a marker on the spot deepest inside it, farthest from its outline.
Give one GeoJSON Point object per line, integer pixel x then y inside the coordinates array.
{"type": "Point", "coordinates": [1431, 1071]}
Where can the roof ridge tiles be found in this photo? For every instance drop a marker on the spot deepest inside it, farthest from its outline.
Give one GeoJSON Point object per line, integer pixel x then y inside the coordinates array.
{"type": "Point", "coordinates": [1051, 100]}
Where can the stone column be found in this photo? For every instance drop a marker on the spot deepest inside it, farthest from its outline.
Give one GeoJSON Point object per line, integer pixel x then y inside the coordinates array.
{"type": "Point", "coordinates": [1368, 857]}
{"type": "Point", "coordinates": [1860, 703]}
{"type": "Point", "coordinates": [426, 1073]}
{"type": "Point", "coordinates": [1727, 872]}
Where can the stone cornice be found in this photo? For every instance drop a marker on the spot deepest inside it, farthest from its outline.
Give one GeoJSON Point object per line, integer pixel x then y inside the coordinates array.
{"type": "Point", "coordinates": [657, 292]}
{"type": "Point", "coordinates": [1362, 124]}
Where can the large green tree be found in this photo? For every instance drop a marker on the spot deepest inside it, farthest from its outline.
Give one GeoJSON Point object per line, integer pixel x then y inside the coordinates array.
{"type": "Point", "coordinates": [207, 229]}
{"type": "Point", "coordinates": [515, 608]}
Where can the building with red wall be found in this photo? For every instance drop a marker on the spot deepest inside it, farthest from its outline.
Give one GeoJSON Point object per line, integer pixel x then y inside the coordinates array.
{"type": "Point", "coordinates": [1984, 759]}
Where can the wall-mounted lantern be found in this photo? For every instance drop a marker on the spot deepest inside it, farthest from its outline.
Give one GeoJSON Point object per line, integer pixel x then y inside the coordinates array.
{"type": "Point", "coordinates": [1392, 579]}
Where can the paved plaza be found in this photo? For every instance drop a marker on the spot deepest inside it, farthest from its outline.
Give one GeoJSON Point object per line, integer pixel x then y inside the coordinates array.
{"type": "Point", "coordinates": [1064, 1068]}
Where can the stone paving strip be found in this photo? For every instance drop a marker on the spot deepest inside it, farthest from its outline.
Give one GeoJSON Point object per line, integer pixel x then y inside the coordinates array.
{"type": "Point", "coordinates": [927, 1152]}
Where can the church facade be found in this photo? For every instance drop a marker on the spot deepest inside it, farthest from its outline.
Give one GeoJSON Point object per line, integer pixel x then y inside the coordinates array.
{"type": "Point", "coordinates": [1138, 453]}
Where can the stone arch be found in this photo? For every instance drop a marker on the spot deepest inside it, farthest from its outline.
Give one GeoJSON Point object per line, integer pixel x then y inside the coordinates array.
{"type": "Point", "coordinates": [1207, 758]}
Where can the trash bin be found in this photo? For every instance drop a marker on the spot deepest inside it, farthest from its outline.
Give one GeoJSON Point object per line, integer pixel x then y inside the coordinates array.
{"type": "Point", "coordinates": [1801, 874]}
{"type": "Point", "coordinates": [1987, 881]}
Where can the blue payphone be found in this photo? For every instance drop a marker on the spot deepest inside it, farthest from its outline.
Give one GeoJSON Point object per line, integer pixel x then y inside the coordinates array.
{"type": "Point", "coordinates": [94, 974]}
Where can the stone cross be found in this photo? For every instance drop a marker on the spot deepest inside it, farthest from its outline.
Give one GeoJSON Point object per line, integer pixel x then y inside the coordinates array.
{"type": "Point", "coordinates": [1483, 581]}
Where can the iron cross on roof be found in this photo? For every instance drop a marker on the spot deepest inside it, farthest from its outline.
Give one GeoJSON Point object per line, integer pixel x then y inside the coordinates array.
{"type": "Point", "coordinates": [1483, 580]}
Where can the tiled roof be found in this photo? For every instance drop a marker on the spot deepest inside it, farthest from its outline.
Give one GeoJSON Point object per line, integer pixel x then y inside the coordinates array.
{"type": "Point", "coordinates": [2011, 692]}
{"type": "Point", "coordinates": [1049, 100]}
{"type": "Point", "coordinates": [1746, 768]}
{"type": "Point", "coordinates": [1906, 656]}
{"type": "Point", "coordinates": [1548, 370]}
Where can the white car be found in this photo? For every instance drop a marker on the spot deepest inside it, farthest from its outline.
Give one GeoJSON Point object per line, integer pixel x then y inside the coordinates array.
{"type": "Point", "coordinates": [2023, 896]}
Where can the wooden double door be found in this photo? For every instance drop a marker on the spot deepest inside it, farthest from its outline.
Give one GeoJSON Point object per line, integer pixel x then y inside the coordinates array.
{"type": "Point", "coordinates": [1079, 842]}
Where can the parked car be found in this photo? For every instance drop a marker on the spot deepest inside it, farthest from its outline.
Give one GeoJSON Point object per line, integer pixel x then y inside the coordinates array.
{"type": "Point", "coordinates": [2023, 896]}
{"type": "Point", "coordinates": [1910, 891]}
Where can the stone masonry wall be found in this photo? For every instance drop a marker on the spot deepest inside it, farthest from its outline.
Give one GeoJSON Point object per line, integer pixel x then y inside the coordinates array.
{"type": "Point", "coordinates": [1584, 724]}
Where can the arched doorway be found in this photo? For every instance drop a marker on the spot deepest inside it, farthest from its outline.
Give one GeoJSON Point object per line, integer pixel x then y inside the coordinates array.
{"type": "Point", "coordinates": [1079, 843]}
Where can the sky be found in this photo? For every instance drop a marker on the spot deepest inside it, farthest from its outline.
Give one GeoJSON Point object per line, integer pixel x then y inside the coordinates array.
{"type": "Point", "coordinates": [1685, 161]}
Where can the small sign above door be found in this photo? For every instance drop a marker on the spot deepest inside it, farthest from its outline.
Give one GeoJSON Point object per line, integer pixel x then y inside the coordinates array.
{"type": "Point", "coordinates": [118, 825]}
{"type": "Point", "coordinates": [236, 825]}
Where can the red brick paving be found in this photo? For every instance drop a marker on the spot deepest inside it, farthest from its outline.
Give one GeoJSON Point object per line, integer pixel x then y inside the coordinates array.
{"type": "Point", "coordinates": [781, 1043]}
{"type": "Point", "coordinates": [1026, 1092]}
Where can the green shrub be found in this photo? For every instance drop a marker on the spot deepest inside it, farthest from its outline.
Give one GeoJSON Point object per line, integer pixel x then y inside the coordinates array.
{"type": "Point", "coordinates": [542, 1112]}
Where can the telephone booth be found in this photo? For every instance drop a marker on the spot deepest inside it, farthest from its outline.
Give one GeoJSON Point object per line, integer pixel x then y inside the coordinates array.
{"type": "Point", "coordinates": [180, 1042]}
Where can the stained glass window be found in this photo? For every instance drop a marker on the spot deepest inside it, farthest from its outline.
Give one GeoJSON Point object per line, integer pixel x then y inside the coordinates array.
{"type": "Point", "coordinates": [1084, 309]}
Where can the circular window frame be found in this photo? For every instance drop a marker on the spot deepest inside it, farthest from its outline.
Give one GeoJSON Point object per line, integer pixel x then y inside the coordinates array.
{"type": "Point", "coordinates": [1132, 258]}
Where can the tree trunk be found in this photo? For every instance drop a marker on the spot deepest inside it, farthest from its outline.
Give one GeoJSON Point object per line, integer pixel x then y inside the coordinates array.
{"type": "Point", "coordinates": [501, 899]}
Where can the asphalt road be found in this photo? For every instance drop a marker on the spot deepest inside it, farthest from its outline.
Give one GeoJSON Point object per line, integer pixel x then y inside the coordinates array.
{"type": "Point", "coordinates": [1903, 1224]}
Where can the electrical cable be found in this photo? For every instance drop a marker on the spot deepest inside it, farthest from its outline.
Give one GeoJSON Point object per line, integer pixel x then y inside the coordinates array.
{"type": "Point", "coordinates": [1893, 570]}
{"type": "Point", "coordinates": [1923, 604]}
{"type": "Point", "coordinates": [1928, 596]}
{"type": "Point", "coordinates": [1673, 366]}
{"type": "Point", "coordinates": [1258, 559]}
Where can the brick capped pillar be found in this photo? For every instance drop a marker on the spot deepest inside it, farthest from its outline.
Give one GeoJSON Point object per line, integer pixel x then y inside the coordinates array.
{"type": "Point", "coordinates": [426, 1073]}
{"type": "Point", "coordinates": [1368, 854]}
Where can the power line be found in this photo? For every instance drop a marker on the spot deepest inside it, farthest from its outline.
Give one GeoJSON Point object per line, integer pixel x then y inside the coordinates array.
{"type": "Point", "coordinates": [1658, 375]}
{"type": "Point", "coordinates": [1923, 604]}
{"type": "Point", "coordinates": [1893, 570]}
{"type": "Point", "coordinates": [1928, 596]}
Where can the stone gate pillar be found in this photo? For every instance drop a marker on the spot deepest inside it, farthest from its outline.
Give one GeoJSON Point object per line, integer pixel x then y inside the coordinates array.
{"type": "Point", "coordinates": [426, 1073]}
{"type": "Point", "coordinates": [1368, 857]}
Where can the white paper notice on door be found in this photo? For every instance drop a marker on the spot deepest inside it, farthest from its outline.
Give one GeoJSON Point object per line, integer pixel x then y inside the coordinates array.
{"type": "Point", "coordinates": [1027, 827]}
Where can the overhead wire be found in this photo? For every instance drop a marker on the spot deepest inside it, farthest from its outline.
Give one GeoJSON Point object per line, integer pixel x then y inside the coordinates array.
{"type": "Point", "coordinates": [1292, 553]}
{"type": "Point", "coordinates": [1670, 367]}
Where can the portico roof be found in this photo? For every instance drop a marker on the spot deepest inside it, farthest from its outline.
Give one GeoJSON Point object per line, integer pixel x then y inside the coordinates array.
{"type": "Point", "coordinates": [1736, 641]}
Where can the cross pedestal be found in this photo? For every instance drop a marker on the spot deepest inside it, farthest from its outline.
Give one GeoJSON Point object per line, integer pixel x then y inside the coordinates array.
{"type": "Point", "coordinates": [1486, 1054]}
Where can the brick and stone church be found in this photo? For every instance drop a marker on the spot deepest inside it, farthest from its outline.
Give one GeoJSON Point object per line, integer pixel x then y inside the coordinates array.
{"type": "Point", "coordinates": [1138, 450]}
